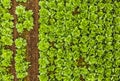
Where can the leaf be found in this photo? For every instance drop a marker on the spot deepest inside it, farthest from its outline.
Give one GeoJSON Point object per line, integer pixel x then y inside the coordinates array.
{"type": "Point", "coordinates": [6, 32]}
{"type": "Point", "coordinates": [83, 71]}
{"type": "Point", "coordinates": [20, 27]}
{"type": "Point", "coordinates": [51, 68]}
{"type": "Point", "coordinates": [19, 58]}
{"type": "Point", "coordinates": [28, 14]}
{"type": "Point", "coordinates": [100, 53]}
{"type": "Point", "coordinates": [92, 60]}
{"type": "Point", "coordinates": [6, 56]}
{"type": "Point", "coordinates": [117, 62]}
{"type": "Point", "coordinates": [117, 54]}
{"type": "Point", "coordinates": [20, 10]}
{"type": "Point", "coordinates": [28, 24]}
{"type": "Point", "coordinates": [100, 77]}
{"type": "Point", "coordinates": [101, 5]}
{"type": "Point", "coordinates": [68, 39]}
{"type": "Point", "coordinates": [93, 17]}
{"type": "Point", "coordinates": [84, 6]}
{"type": "Point", "coordinates": [21, 1]}
{"type": "Point", "coordinates": [100, 38]}
{"type": "Point", "coordinates": [43, 70]}
{"type": "Point", "coordinates": [20, 43]}
{"type": "Point", "coordinates": [59, 77]}
{"type": "Point", "coordinates": [84, 48]}
{"type": "Point", "coordinates": [90, 77]}
{"type": "Point", "coordinates": [7, 16]}
{"type": "Point", "coordinates": [108, 46]}
{"type": "Point", "coordinates": [108, 72]}
{"type": "Point", "coordinates": [21, 75]}
{"type": "Point", "coordinates": [100, 70]}
{"type": "Point", "coordinates": [93, 8]}
{"type": "Point", "coordinates": [108, 7]}
{"type": "Point", "coordinates": [84, 39]}
{"type": "Point", "coordinates": [6, 3]}
{"type": "Point", "coordinates": [43, 45]}
{"type": "Point", "coordinates": [21, 51]}
{"type": "Point", "coordinates": [6, 40]}
{"type": "Point", "coordinates": [44, 62]}
{"type": "Point", "coordinates": [100, 14]}
{"type": "Point", "coordinates": [7, 77]}
{"type": "Point", "coordinates": [76, 32]}
{"type": "Point", "coordinates": [52, 5]}
{"type": "Point", "coordinates": [43, 4]}
{"type": "Point", "coordinates": [43, 77]}
{"type": "Point", "coordinates": [84, 23]}
{"type": "Point", "coordinates": [44, 13]}
{"type": "Point", "coordinates": [109, 55]}
{"type": "Point", "coordinates": [7, 24]}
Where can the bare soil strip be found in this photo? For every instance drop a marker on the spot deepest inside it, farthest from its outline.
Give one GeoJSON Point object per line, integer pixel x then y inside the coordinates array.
{"type": "Point", "coordinates": [15, 35]}
{"type": "Point", "coordinates": [32, 40]}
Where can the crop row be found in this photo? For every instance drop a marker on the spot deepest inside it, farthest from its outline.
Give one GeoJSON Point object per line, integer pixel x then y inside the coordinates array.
{"type": "Point", "coordinates": [21, 65]}
{"type": "Point", "coordinates": [6, 37]}
{"type": "Point", "coordinates": [79, 39]}
{"type": "Point", "coordinates": [24, 22]}
{"type": "Point", "coordinates": [25, 19]}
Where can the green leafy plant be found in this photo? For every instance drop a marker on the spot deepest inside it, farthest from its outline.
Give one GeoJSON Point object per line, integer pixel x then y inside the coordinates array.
{"type": "Point", "coordinates": [6, 58]}
{"type": "Point", "coordinates": [6, 4]}
{"type": "Point", "coordinates": [21, 64]}
{"type": "Point", "coordinates": [21, 1]}
{"type": "Point", "coordinates": [25, 19]}
{"type": "Point", "coordinates": [6, 25]}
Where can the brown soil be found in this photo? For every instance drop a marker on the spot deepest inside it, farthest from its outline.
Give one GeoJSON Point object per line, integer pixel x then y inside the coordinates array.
{"type": "Point", "coordinates": [32, 40]}
{"type": "Point", "coordinates": [81, 63]}
{"type": "Point", "coordinates": [15, 35]}
{"type": "Point", "coordinates": [75, 12]}
{"type": "Point", "coordinates": [81, 78]}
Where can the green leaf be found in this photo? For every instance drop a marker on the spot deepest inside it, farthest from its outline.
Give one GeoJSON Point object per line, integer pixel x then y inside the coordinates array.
{"type": "Point", "coordinates": [90, 77]}
{"type": "Point", "coordinates": [7, 40]}
{"type": "Point", "coordinates": [44, 62]}
{"type": "Point", "coordinates": [83, 71]}
{"type": "Point", "coordinates": [100, 38]}
{"type": "Point", "coordinates": [92, 60]}
{"type": "Point", "coordinates": [28, 24]}
{"type": "Point", "coordinates": [6, 3]}
{"type": "Point", "coordinates": [43, 77]}
{"type": "Point", "coordinates": [21, 1]}
{"type": "Point", "coordinates": [7, 57]}
{"type": "Point", "coordinates": [20, 10]}
{"type": "Point", "coordinates": [19, 27]}
{"type": "Point", "coordinates": [20, 43]}
{"type": "Point", "coordinates": [21, 75]}
{"type": "Point", "coordinates": [43, 45]}
{"type": "Point", "coordinates": [7, 16]}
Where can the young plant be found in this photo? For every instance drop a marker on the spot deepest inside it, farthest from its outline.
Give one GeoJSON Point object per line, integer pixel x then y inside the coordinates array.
{"type": "Point", "coordinates": [25, 19]}
{"type": "Point", "coordinates": [21, 65]}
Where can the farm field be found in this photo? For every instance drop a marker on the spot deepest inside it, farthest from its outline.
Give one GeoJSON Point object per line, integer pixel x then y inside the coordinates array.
{"type": "Point", "coordinates": [59, 40]}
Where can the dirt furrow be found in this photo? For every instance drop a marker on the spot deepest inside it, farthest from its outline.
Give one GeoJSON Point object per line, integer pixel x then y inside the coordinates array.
{"type": "Point", "coordinates": [15, 35]}
{"type": "Point", "coordinates": [32, 40]}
